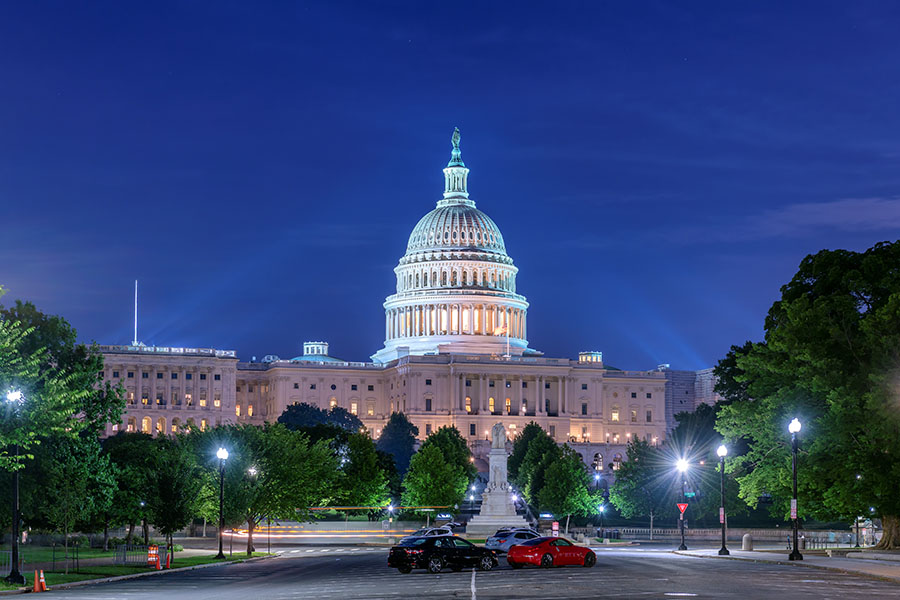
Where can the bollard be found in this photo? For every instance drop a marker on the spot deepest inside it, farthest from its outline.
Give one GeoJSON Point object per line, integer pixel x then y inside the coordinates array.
{"type": "Point", "coordinates": [747, 542]}
{"type": "Point", "coordinates": [803, 542]}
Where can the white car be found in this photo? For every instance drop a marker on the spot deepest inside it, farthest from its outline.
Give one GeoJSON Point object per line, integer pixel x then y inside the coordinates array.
{"type": "Point", "coordinates": [429, 532]}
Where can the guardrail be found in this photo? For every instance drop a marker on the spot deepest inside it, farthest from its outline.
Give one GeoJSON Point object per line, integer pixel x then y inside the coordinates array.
{"type": "Point", "coordinates": [137, 555]}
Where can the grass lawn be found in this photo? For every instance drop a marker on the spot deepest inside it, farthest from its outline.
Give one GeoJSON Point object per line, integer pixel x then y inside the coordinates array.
{"type": "Point", "coordinates": [101, 571]}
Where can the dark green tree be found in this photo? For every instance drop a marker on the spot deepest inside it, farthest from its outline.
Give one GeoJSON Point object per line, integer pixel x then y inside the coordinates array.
{"type": "Point", "coordinates": [542, 452]}
{"type": "Point", "coordinates": [176, 480]}
{"type": "Point", "coordinates": [520, 447]}
{"type": "Point", "coordinates": [830, 358]}
{"type": "Point", "coordinates": [454, 448]}
{"type": "Point", "coordinates": [398, 438]}
{"type": "Point", "coordinates": [132, 456]}
{"type": "Point", "coordinates": [433, 481]}
{"type": "Point", "coordinates": [644, 483]}
{"type": "Point", "coordinates": [364, 481]}
{"type": "Point", "coordinates": [566, 490]}
{"type": "Point", "coordinates": [303, 416]}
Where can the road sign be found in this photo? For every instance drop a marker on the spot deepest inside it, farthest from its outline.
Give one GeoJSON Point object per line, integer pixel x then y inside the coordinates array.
{"type": "Point", "coordinates": [690, 494]}
{"type": "Point", "coordinates": [721, 514]}
{"type": "Point", "coordinates": [793, 508]}
{"type": "Point", "coordinates": [555, 528]}
{"type": "Point", "coordinates": [682, 507]}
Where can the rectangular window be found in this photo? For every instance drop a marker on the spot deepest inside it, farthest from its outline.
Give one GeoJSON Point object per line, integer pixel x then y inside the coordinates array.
{"type": "Point", "coordinates": [218, 399]}
{"type": "Point", "coordinates": [427, 382]}
{"type": "Point", "coordinates": [312, 386]}
{"type": "Point", "coordinates": [217, 377]}
{"type": "Point", "coordinates": [649, 395]}
{"type": "Point", "coordinates": [468, 404]}
{"type": "Point", "coordinates": [491, 404]}
{"type": "Point", "coordinates": [238, 389]}
{"type": "Point", "coordinates": [584, 386]}
{"type": "Point", "coordinates": [237, 410]}
{"type": "Point", "coordinates": [145, 375]}
{"type": "Point", "coordinates": [471, 429]}
{"type": "Point", "coordinates": [130, 374]}
{"type": "Point", "coordinates": [353, 408]}
{"type": "Point", "coordinates": [203, 424]}
{"type": "Point", "coordinates": [202, 376]}
{"type": "Point", "coordinates": [115, 373]}
{"type": "Point", "coordinates": [508, 405]}
{"type": "Point", "coordinates": [524, 406]}
{"type": "Point", "coordinates": [352, 387]}
{"type": "Point", "coordinates": [145, 400]}
{"type": "Point", "coordinates": [370, 409]}
{"type": "Point", "coordinates": [584, 433]}
{"type": "Point", "coordinates": [427, 429]}
{"type": "Point", "coordinates": [249, 389]}
{"type": "Point", "coordinates": [553, 431]}
{"type": "Point", "coordinates": [634, 416]}
{"type": "Point", "coordinates": [490, 383]}
{"type": "Point", "coordinates": [649, 416]}
{"type": "Point", "coordinates": [468, 383]}
{"type": "Point", "coordinates": [508, 384]}
{"type": "Point", "coordinates": [217, 403]}
{"type": "Point", "coordinates": [189, 399]}
{"type": "Point", "coordinates": [115, 427]}
{"type": "Point", "coordinates": [634, 394]}
{"type": "Point", "coordinates": [159, 375]}
{"type": "Point", "coordinates": [174, 375]}
{"type": "Point", "coordinates": [524, 384]}
{"type": "Point", "coordinates": [427, 404]}
{"type": "Point", "coordinates": [296, 386]}
{"type": "Point", "coordinates": [584, 408]}
{"type": "Point", "coordinates": [249, 410]}
{"type": "Point", "coordinates": [615, 415]}
{"type": "Point", "coordinates": [188, 375]}
{"type": "Point", "coordinates": [546, 386]}
{"type": "Point", "coordinates": [371, 388]}
{"type": "Point", "coordinates": [159, 399]}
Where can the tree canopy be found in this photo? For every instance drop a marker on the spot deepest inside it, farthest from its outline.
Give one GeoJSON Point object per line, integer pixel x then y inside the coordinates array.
{"type": "Point", "coordinates": [398, 438]}
{"type": "Point", "coordinates": [831, 357]}
{"type": "Point", "coordinates": [566, 490]}
{"type": "Point", "coordinates": [433, 481]}
{"type": "Point", "coordinates": [454, 448]}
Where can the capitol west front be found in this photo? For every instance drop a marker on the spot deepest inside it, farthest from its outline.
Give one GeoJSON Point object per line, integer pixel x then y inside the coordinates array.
{"type": "Point", "coordinates": [455, 353]}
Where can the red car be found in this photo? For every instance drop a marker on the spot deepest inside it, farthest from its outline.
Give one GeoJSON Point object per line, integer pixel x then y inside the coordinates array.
{"type": "Point", "coordinates": [549, 552]}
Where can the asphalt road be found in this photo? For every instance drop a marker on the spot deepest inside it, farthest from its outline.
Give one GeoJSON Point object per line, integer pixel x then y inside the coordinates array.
{"type": "Point", "coordinates": [362, 573]}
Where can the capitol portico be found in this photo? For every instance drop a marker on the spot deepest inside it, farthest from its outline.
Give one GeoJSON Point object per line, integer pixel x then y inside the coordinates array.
{"type": "Point", "coordinates": [455, 353]}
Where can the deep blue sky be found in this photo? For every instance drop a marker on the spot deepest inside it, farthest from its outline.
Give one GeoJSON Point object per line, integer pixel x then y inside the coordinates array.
{"type": "Point", "coordinates": [658, 172]}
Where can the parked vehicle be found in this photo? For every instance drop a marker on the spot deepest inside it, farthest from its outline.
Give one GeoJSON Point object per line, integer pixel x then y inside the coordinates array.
{"type": "Point", "coordinates": [429, 532]}
{"type": "Point", "coordinates": [549, 552]}
{"type": "Point", "coordinates": [436, 552]}
{"type": "Point", "coordinates": [504, 538]}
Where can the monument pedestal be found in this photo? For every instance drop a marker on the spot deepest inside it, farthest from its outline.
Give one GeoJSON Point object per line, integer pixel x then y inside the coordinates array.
{"type": "Point", "coordinates": [497, 507]}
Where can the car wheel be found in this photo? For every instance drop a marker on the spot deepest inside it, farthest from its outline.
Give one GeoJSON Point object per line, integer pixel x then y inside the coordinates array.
{"type": "Point", "coordinates": [435, 564]}
{"type": "Point", "coordinates": [486, 564]}
{"type": "Point", "coordinates": [515, 565]}
{"type": "Point", "coordinates": [405, 570]}
{"type": "Point", "coordinates": [589, 559]}
{"type": "Point", "coordinates": [547, 560]}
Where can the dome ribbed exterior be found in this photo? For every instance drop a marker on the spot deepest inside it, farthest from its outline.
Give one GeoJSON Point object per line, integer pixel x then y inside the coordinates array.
{"type": "Point", "coordinates": [456, 227]}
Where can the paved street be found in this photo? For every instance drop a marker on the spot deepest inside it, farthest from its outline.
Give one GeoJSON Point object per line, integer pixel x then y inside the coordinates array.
{"type": "Point", "coordinates": [362, 573]}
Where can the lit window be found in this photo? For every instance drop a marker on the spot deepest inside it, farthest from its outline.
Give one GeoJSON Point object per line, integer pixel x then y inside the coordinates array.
{"type": "Point", "coordinates": [217, 403]}
{"type": "Point", "coordinates": [508, 405]}
{"type": "Point", "coordinates": [634, 416]}
{"type": "Point", "coordinates": [370, 409]}
{"type": "Point", "coordinates": [202, 424]}
{"type": "Point", "coordinates": [145, 400]}
{"type": "Point", "coordinates": [188, 399]}
{"type": "Point", "coordinates": [491, 404]}
{"type": "Point", "coordinates": [332, 403]}
{"type": "Point", "coordinates": [174, 425]}
{"type": "Point", "coordinates": [159, 399]}
{"type": "Point", "coordinates": [249, 410]}
{"type": "Point", "coordinates": [237, 410]}
{"type": "Point", "coordinates": [115, 427]}
{"type": "Point", "coordinates": [615, 415]}
{"type": "Point", "coordinates": [146, 423]}
{"type": "Point", "coordinates": [353, 408]}
{"type": "Point", "coordinates": [203, 402]}
{"type": "Point", "coordinates": [468, 404]}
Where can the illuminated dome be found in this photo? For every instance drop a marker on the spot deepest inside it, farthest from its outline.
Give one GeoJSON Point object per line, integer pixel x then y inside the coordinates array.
{"type": "Point", "coordinates": [456, 286]}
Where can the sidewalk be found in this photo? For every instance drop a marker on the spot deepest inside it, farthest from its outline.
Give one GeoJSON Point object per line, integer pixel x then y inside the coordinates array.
{"type": "Point", "coordinates": [873, 567]}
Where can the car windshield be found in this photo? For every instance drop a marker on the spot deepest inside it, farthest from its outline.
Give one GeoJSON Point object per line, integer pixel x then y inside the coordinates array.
{"type": "Point", "coordinates": [534, 542]}
{"type": "Point", "coordinates": [413, 541]}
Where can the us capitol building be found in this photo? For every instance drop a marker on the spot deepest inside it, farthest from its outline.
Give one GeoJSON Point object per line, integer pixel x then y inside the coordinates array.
{"type": "Point", "coordinates": [455, 353]}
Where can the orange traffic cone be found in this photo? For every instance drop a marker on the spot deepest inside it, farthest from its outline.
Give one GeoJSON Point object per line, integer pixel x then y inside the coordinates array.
{"type": "Point", "coordinates": [43, 583]}
{"type": "Point", "coordinates": [37, 583]}
{"type": "Point", "coordinates": [158, 567]}
{"type": "Point", "coordinates": [168, 560]}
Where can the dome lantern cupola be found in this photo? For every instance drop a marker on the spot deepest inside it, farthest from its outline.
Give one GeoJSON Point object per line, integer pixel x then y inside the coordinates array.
{"type": "Point", "coordinates": [455, 176]}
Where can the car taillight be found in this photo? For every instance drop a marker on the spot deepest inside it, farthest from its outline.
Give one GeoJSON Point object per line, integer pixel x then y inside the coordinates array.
{"type": "Point", "coordinates": [501, 541]}
{"type": "Point", "coordinates": [414, 552]}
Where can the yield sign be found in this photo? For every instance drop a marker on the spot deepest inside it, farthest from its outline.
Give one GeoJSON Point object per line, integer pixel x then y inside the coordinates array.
{"type": "Point", "coordinates": [682, 507]}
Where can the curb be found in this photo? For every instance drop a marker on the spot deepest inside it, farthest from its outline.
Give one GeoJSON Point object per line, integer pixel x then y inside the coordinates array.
{"type": "Point", "coordinates": [791, 564]}
{"type": "Point", "coordinates": [64, 586]}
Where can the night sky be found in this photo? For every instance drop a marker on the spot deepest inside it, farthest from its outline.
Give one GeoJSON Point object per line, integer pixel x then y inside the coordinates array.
{"type": "Point", "coordinates": [658, 172]}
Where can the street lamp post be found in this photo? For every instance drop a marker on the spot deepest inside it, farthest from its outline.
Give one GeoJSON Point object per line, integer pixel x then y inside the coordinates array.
{"type": "Point", "coordinates": [15, 398]}
{"type": "Point", "coordinates": [222, 454]}
{"type": "Point", "coordinates": [602, 509]}
{"type": "Point", "coordinates": [682, 466]}
{"type": "Point", "coordinates": [794, 428]}
{"type": "Point", "coordinates": [722, 451]}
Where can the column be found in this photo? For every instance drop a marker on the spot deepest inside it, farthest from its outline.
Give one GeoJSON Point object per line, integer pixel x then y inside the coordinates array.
{"type": "Point", "coordinates": [482, 394]}
{"type": "Point", "coordinates": [461, 398]}
{"type": "Point", "coordinates": [518, 400]}
{"type": "Point", "coordinates": [503, 394]}
{"type": "Point", "coordinates": [539, 407]}
{"type": "Point", "coordinates": [559, 396]}
{"type": "Point", "coordinates": [454, 392]}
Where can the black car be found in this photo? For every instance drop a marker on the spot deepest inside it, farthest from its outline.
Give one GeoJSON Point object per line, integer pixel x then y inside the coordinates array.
{"type": "Point", "coordinates": [435, 553]}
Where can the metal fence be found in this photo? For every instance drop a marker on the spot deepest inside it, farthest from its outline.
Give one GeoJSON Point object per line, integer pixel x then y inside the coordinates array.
{"type": "Point", "coordinates": [137, 555]}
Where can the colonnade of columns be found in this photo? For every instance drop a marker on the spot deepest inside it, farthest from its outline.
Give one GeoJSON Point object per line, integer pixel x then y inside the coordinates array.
{"type": "Point", "coordinates": [454, 319]}
{"type": "Point", "coordinates": [523, 401]}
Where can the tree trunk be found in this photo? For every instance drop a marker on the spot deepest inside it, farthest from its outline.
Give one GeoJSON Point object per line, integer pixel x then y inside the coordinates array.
{"type": "Point", "coordinates": [567, 524]}
{"type": "Point", "coordinates": [651, 526]}
{"type": "Point", "coordinates": [251, 525]}
{"type": "Point", "coordinates": [130, 534]}
{"type": "Point", "coordinates": [890, 535]}
{"type": "Point", "coordinates": [170, 548]}
{"type": "Point", "coordinates": [146, 532]}
{"type": "Point", "coordinates": [204, 526]}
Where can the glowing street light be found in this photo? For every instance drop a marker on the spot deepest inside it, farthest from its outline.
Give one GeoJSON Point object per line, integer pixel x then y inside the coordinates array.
{"type": "Point", "coordinates": [222, 455]}
{"type": "Point", "coordinates": [602, 509]}
{"type": "Point", "coordinates": [15, 398]}
{"type": "Point", "coordinates": [794, 428]}
{"type": "Point", "coordinates": [722, 451]}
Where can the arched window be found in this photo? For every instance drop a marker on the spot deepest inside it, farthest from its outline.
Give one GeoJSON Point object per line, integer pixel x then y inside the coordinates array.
{"type": "Point", "coordinates": [176, 423]}
{"type": "Point", "coordinates": [475, 277]}
{"type": "Point", "coordinates": [146, 424]}
{"type": "Point", "coordinates": [425, 279]}
{"type": "Point", "coordinates": [484, 279]}
{"type": "Point", "coordinates": [597, 462]}
{"type": "Point", "coordinates": [444, 278]}
{"type": "Point", "coordinates": [417, 280]}
{"type": "Point", "coordinates": [617, 461]}
{"type": "Point", "coordinates": [132, 425]}
{"type": "Point", "coordinates": [465, 278]}
{"type": "Point", "coordinates": [453, 278]}
{"type": "Point", "coordinates": [161, 425]}
{"type": "Point", "coordinates": [332, 403]}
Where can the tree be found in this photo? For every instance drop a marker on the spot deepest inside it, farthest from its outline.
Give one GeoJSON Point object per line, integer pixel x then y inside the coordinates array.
{"type": "Point", "coordinates": [302, 415]}
{"type": "Point", "coordinates": [454, 449]}
{"type": "Point", "coordinates": [433, 481]}
{"type": "Point", "coordinates": [520, 447]}
{"type": "Point", "coordinates": [830, 356]}
{"type": "Point", "coordinates": [63, 359]}
{"type": "Point", "coordinates": [398, 438]}
{"type": "Point", "coordinates": [566, 490]}
{"type": "Point", "coordinates": [542, 452]}
{"type": "Point", "coordinates": [132, 456]}
{"type": "Point", "coordinates": [644, 483]}
{"type": "Point", "coordinates": [176, 482]}
{"type": "Point", "coordinates": [364, 480]}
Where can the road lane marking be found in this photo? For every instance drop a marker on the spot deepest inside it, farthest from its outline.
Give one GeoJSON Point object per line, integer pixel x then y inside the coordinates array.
{"type": "Point", "coordinates": [473, 584]}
